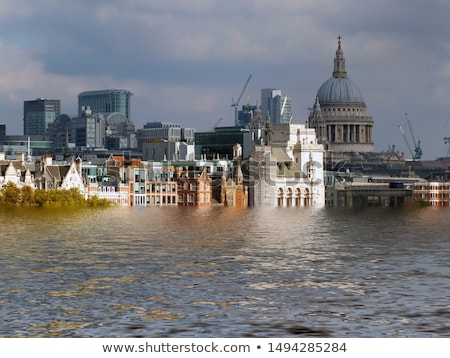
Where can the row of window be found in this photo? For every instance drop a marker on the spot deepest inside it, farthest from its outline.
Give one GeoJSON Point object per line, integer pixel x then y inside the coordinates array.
{"type": "Point", "coordinates": [432, 187]}
{"type": "Point", "coordinates": [190, 198]}
{"type": "Point", "coordinates": [192, 186]}
{"type": "Point", "coordinates": [344, 109]}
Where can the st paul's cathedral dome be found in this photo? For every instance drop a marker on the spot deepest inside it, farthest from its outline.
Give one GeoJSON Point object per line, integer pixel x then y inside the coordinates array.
{"type": "Point", "coordinates": [339, 113]}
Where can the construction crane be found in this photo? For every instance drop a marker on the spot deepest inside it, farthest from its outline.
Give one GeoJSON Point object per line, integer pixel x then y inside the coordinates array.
{"type": "Point", "coordinates": [217, 123]}
{"type": "Point", "coordinates": [417, 153]}
{"type": "Point", "coordinates": [236, 104]}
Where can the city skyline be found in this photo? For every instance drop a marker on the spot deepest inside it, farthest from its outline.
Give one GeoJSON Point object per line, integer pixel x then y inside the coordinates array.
{"type": "Point", "coordinates": [186, 60]}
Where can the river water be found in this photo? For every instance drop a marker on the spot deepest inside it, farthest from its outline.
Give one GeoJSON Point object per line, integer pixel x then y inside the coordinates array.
{"type": "Point", "coordinates": [225, 272]}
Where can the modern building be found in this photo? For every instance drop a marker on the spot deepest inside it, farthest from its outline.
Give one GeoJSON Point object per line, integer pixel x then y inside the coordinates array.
{"type": "Point", "coordinates": [159, 131]}
{"type": "Point", "coordinates": [38, 114]}
{"type": "Point", "coordinates": [339, 113]}
{"type": "Point", "coordinates": [248, 114]}
{"type": "Point", "coordinates": [219, 143]}
{"type": "Point", "coordinates": [160, 141]}
{"type": "Point", "coordinates": [120, 132]}
{"type": "Point", "coordinates": [31, 145]}
{"type": "Point", "coordinates": [88, 131]}
{"type": "Point", "coordinates": [106, 101]}
{"type": "Point", "coordinates": [276, 105]}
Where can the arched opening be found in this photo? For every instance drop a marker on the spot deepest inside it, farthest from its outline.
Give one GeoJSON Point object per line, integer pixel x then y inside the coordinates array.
{"type": "Point", "coordinates": [298, 197]}
{"type": "Point", "coordinates": [306, 198]}
{"type": "Point", "coordinates": [280, 197]}
{"type": "Point", "coordinates": [289, 197]}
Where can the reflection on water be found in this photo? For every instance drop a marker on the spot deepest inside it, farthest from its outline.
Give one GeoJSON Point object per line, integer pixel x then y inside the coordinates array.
{"type": "Point", "coordinates": [224, 272]}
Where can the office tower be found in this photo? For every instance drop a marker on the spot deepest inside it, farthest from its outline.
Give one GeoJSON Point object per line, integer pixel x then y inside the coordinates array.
{"type": "Point", "coordinates": [38, 114]}
{"type": "Point", "coordinates": [277, 106]}
{"type": "Point", "coordinates": [88, 131]}
{"type": "Point", "coordinates": [106, 101]}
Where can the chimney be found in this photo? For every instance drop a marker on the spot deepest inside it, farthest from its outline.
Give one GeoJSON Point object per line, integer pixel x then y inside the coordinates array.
{"type": "Point", "coordinates": [178, 171]}
{"type": "Point", "coordinates": [48, 159]}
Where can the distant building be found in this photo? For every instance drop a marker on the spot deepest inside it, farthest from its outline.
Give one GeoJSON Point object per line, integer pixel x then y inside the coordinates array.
{"type": "Point", "coordinates": [106, 101]}
{"type": "Point", "coordinates": [60, 131]}
{"type": "Point", "coordinates": [88, 131]}
{"type": "Point", "coordinates": [219, 143]}
{"type": "Point", "coordinates": [163, 150]}
{"type": "Point", "coordinates": [31, 145]}
{"type": "Point", "coordinates": [38, 114]}
{"type": "Point", "coordinates": [160, 141]}
{"type": "Point", "coordinates": [164, 131]}
{"type": "Point", "coordinates": [248, 113]}
{"type": "Point", "coordinates": [120, 132]}
{"type": "Point", "coordinates": [276, 106]}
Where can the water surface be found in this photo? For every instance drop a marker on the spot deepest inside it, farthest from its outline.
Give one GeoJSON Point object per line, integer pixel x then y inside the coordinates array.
{"type": "Point", "coordinates": [225, 272]}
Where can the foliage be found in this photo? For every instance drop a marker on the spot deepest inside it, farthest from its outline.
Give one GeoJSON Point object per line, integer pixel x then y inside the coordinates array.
{"type": "Point", "coordinates": [11, 195]}
{"type": "Point", "coordinates": [422, 203]}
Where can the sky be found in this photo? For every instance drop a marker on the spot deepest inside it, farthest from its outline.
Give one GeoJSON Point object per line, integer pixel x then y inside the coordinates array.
{"type": "Point", "coordinates": [185, 61]}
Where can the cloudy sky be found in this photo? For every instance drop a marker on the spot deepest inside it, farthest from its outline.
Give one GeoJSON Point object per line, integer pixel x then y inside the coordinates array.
{"type": "Point", "coordinates": [185, 60]}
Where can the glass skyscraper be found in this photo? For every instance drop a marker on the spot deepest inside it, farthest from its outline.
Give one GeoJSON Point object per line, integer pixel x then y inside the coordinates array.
{"type": "Point", "coordinates": [276, 105]}
{"type": "Point", "coordinates": [38, 114]}
{"type": "Point", "coordinates": [106, 101]}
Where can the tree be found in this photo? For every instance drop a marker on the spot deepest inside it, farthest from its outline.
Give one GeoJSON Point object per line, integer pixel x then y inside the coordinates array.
{"type": "Point", "coordinates": [27, 195]}
{"type": "Point", "coordinates": [10, 194]}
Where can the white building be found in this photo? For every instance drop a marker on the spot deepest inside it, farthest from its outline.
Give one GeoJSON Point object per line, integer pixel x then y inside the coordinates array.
{"type": "Point", "coordinates": [286, 169]}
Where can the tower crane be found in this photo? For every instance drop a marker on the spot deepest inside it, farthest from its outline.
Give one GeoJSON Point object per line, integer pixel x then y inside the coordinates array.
{"type": "Point", "coordinates": [236, 104]}
{"type": "Point", "coordinates": [417, 153]}
{"type": "Point", "coordinates": [217, 123]}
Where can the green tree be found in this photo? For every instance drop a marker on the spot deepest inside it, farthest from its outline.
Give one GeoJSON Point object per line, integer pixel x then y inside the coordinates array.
{"type": "Point", "coordinates": [41, 197]}
{"type": "Point", "coordinates": [10, 194]}
{"type": "Point", "coordinates": [27, 195]}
